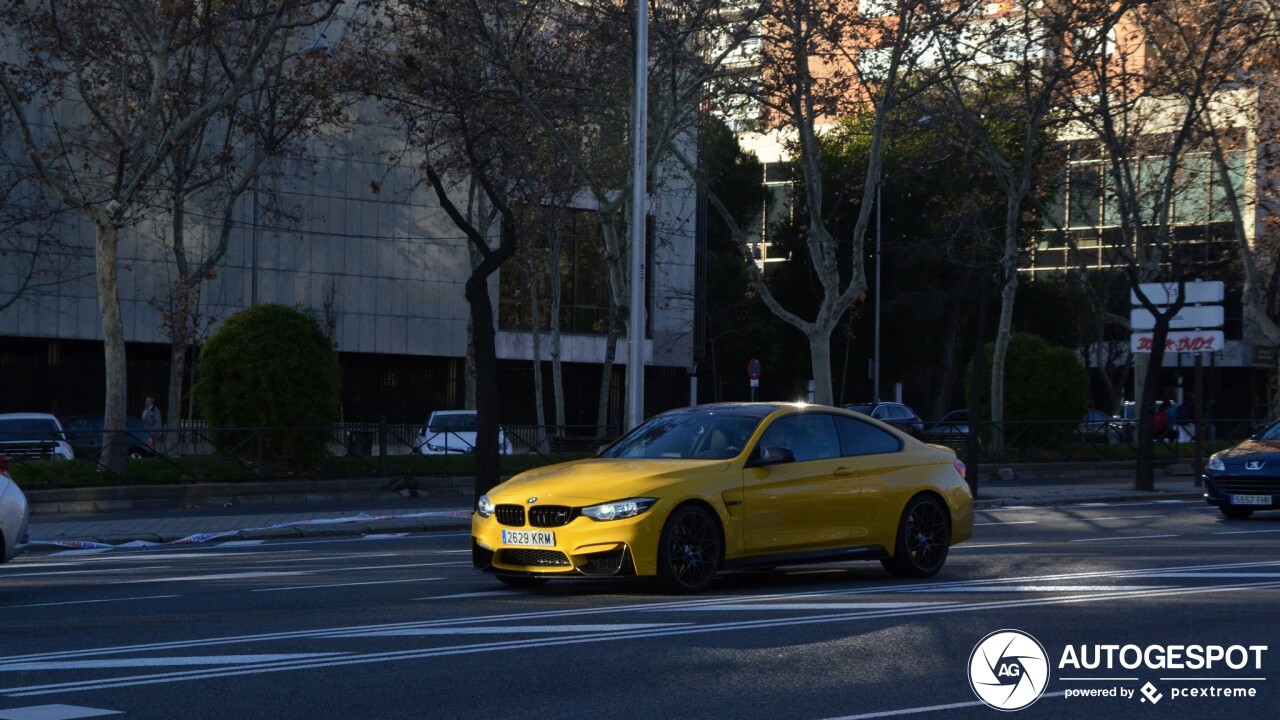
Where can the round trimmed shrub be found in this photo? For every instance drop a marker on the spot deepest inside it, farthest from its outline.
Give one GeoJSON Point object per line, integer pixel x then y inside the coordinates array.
{"type": "Point", "coordinates": [270, 366]}
{"type": "Point", "coordinates": [1042, 383]}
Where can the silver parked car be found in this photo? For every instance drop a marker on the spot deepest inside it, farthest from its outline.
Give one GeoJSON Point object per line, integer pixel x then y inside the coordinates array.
{"type": "Point", "coordinates": [453, 431]}
{"type": "Point", "coordinates": [34, 435]}
{"type": "Point", "coordinates": [13, 515]}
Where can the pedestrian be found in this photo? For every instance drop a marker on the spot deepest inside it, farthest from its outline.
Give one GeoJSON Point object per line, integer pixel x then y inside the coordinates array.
{"type": "Point", "coordinates": [151, 421]}
{"type": "Point", "coordinates": [1161, 421]}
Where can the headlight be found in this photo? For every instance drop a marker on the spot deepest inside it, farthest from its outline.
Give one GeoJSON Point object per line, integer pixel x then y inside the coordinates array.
{"type": "Point", "coordinates": [484, 506]}
{"type": "Point", "coordinates": [1215, 463]}
{"type": "Point", "coordinates": [618, 509]}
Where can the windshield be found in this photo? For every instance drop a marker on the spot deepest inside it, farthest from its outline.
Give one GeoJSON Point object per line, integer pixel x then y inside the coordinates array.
{"type": "Point", "coordinates": [453, 422]}
{"type": "Point", "coordinates": [864, 409]}
{"type": "Point", "coordinates": [1271, 433]}
{"type": "Point", "coordinates": [32, 429]}
{"type": "Point", "coordinates": [686, 436]}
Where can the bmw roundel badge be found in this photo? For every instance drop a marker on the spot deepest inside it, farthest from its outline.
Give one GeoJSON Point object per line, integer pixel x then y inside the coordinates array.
{"type": "Point", "coordinates": [532, 500]}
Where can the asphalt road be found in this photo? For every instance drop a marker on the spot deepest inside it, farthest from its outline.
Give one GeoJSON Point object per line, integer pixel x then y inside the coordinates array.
{"type": "Point", "coordinates": [400, 627]}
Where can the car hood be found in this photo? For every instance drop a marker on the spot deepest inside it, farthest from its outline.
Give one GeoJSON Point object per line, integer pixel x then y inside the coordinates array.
{"type": "Point", "coordinates": [600, 480]}
{"type": "Point", "coordinates": [1267, 452]}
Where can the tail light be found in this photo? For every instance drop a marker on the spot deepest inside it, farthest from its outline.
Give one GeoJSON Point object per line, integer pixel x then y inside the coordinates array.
{"type": "Point", "coordinates": [959, 466]}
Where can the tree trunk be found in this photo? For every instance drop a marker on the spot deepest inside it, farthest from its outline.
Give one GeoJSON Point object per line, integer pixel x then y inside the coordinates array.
{"type": "Point", "coordinates": [1004, 333]}
{"type": "Point", "coordinates": [488, 465]}
{"type": "Point", "coordinates": [606, 370]}
{"type": "Point", "coordinates": [173, 405]}
{"type": "Point", "coordinates": [114, 448]}
{"type": "Point", "coordinates": [820, 352]}
{"type": "Point", "coordinates": [557, 376]}
{"type": "Point", "coordinates": [535, 328]}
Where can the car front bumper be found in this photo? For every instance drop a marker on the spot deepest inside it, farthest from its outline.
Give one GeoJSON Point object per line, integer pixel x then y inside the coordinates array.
{"type": "Point", "coordinates": [583, 548]}
{"type": "Point", "coordinates": [1243, 491]}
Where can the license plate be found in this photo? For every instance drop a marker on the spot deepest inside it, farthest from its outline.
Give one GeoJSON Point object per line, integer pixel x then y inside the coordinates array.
{"type": "Point", "coordinates": [1250, 499]}
{"type": "Point", "coordinates": [534, 538]}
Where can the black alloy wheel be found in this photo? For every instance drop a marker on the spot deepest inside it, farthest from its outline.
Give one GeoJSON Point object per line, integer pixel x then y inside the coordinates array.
{"type": "Point", "coordinates": [924, 536]}
{"type": "Point", "coordinates": [1235, 512]}
{"type": "Point", "coordinates": [521, 581]}
{"type": "Point", "coordinates": [689, 551]}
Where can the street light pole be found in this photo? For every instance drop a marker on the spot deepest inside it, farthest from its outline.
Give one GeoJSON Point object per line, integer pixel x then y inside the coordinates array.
{"type": "Point", "coordinates": [639, 183]}
{"type": "Point", "coordinates": [875, 362]}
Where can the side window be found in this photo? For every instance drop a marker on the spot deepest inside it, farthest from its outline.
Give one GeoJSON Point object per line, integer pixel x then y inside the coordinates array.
{"type": "Point", "coordinates": [860, 438]}
{"type": "Point", "coordinates": [811, 436]}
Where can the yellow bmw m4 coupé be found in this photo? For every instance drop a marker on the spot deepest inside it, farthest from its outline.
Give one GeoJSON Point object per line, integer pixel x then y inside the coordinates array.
{"type": "Point", "coordinates": [702, 489]}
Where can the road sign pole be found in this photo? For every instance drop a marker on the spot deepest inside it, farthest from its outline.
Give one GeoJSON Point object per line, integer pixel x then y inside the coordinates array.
{"type": "Point", "coordinates": [1199, 461]}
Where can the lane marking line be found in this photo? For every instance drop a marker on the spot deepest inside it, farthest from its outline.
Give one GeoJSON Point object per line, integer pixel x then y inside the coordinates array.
{"type": "Point", "coordinates": [338, 585]}
{"type": "Point", "coordinates": [90, 602]}
{"type": "Point", "coordinates": [54, 712]}
{"type": "Point", "coordinates": [199, 660]}
{"type": "Point", "coordinates": [544, 642]}
{"type": "Point", "coordinates": [628, 608]}
{"type": "Point", "coordinates": [928, 709]}
{"type": "Point", "coordinates": [1010, 522]}
{"type": "Point", "coordinates": [1131, 537]}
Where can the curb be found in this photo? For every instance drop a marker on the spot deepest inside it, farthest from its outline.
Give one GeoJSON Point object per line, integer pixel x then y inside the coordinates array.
{"type": "Point", "coordinates": [216, 495]}
{"type": "Point", "coordinates": [981, 504]}
{"type": "Point", "coordinates": [274, 533]}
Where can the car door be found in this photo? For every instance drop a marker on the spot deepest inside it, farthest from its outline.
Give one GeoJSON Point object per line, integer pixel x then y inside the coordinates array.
{"type": "Point", "coordinates": [801, 505]}
{"type": "Point", "coordinates": [875, 454]}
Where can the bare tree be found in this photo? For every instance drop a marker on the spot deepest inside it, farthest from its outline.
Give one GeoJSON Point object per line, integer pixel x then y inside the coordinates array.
{"type": "Point", "coordinates": [578, 90]}
{"type": "Point", "coordinates": [821, 62]}
{"type": "Point", "coordinates": [1007, 77]}
{"type": "Point", "coordinates": [1142, 122]}
{"type": "Point", "coordinates": [225, 157]}
{"type": "Point", "coordinates": [32, 252]}
{"type": "Point", "coordinates": [117, 76]}
{"type": "Point", "coordinates": [463, 125]}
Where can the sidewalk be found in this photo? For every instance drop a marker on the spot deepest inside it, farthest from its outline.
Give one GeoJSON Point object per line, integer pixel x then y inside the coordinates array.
{"type": "Point", "coordinates": [352, 513]}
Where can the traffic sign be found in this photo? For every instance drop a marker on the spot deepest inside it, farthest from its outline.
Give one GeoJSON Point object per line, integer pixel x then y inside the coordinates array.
{"type": "Point", "coordinates": [1180, 341]}
{"type": "Point", "coordinates": [1189, 317]}
{"type": "Point", "coordinates": [1198, 291]}
{"type": "Point", "coordinates": [754, 369]}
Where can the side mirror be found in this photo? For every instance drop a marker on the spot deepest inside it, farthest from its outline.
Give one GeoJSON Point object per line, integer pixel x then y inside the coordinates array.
{"type": "Point", "coordinates": [773, 455]}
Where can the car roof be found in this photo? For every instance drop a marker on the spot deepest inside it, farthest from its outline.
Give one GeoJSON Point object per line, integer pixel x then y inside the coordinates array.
{"type": "Point", "coordinates": [28, 416]}
{"type": "Point", "coordinates": [453, 412]}
{"type": "Point", "coordinates": [749, 409]}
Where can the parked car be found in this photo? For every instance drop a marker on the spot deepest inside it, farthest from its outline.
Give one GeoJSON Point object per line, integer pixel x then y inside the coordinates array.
{"type": "Point", "coordinates": [950, 429]}
{"type": "Point", "coordinates": [84, 432]}
{"type": "Point", "coordinates": [1246, 478]}
{"type": "Point", "coordinates": [1124, 426]}
{"type": "Point", "coordinates": [700, 489]}
{"type": "Point", "coordinates": [448, 432]}
{"type": "Point", "coordinates": [13, 515]}
{"type": "Point", "coordinates": [891, 413]}
{"type": "Point", "coordinates": [34, 435]}
{"type": "Point", "coordinates": [1097, 427]}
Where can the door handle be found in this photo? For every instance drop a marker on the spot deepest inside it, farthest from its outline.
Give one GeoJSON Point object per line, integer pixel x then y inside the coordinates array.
{"type": "Point", "coordinates": [843, 471]}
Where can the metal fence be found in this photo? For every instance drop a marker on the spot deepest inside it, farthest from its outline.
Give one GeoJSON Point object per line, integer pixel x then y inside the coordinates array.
{"type": "Point", "coordinates": [1094, 441]}
{"type": "Point", "coordinates": [196, 452]}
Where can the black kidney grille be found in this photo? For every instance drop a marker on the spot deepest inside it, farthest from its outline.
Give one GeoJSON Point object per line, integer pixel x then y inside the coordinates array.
{"type": "Point", "coordinates": [512, 515]}
{"type": "Point", "coordinates": [533, 558]}
{"type": "Point", "coordinates": [550, 515]}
